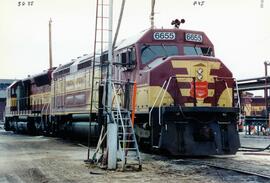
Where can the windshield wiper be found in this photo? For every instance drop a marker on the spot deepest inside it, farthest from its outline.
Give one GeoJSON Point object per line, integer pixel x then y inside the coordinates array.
{"type": "Point", "coordinates": [147, 47]}
{"type": "Point", "coordinates": [166, 53]}
{"type": "Point", "coordinates": [195, 46]}
{"type": "Point", "coordinates": [207, 53]}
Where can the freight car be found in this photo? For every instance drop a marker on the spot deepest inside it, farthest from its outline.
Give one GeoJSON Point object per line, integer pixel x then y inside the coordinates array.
{"type": "Point", "coordinates": [184, 94]}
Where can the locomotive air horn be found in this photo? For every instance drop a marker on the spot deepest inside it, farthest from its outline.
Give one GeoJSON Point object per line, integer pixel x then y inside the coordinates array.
{"type": "Point", "coordinates": [177, 23]}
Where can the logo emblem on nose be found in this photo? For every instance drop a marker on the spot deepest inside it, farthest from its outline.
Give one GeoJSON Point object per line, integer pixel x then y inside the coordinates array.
{"type": "Point", "coordinates": [199, 74]}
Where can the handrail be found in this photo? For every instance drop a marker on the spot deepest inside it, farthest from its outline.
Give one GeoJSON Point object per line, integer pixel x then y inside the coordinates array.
{"type": "Point", "coordinates": [230, 96]}
{"type": "Point", "coordinates": [42, 113]}
{"type": "Point", "coordinates": [226, 84]}
{"type": "Point", "coordinates": [122, 123]}
{"type": "Point", "coordinates": [116, 81]}
{"type": "Point", "coordinates": [119, 111]}
{"type": "Point", "coordinates": [238, 94]}
{"type": "Point", "coordinates": [150, 112]}
{"type": "Point", "coordinates": [160, 103]}
{"type": "Point", "coordinates": [42, 110]}
{"type": "Point", "coordinates": [165, 83]}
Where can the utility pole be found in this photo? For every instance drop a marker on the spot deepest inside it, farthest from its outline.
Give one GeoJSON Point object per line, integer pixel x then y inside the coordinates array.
{"type": "Point", "coordinates": [152, 14]}
{"type": "Point", "coordinates": [111, 126]}
{"type": "Point", "coordinates": [266, 63]}
{"type": "Point", "coordinates": [50, 43]}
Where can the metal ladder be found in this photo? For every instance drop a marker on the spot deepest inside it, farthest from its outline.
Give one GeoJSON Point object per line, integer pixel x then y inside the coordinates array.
{"type": "Point", "coordinates": [96, 73]}
{"type": "Point", "coordinates": [127, 144]}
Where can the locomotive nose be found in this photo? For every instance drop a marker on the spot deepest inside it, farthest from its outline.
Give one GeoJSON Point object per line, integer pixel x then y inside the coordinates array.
{"type": "Point", "coordinates": [204, 80]}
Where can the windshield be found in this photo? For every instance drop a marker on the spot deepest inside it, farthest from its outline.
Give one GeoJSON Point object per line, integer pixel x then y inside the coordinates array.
{"type": "Point", "coordinates": [150, 52]}
{"type": "Point", "coordinates": [193, 50]}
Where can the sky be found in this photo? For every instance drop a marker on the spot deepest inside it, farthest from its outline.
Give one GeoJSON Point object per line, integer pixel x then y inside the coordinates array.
{"type": "Point", "coordinates": [239, 30]}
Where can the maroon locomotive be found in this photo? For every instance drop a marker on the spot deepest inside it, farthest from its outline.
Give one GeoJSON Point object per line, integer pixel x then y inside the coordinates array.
{"type": "Point", "coordinates": [184, 94]}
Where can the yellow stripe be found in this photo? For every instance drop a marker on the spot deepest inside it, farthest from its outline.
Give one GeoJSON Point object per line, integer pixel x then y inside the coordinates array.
{"type": "Point", "coordinates": [192, 65]}
{"type": "Point", "coordinates": [188, 63]}
{"type": "Point", "coordinates": [198, 105]}
{"type": "Point", "coordinates": [40, 98]}
{"type": "Point", "coordinates": [183, 78]}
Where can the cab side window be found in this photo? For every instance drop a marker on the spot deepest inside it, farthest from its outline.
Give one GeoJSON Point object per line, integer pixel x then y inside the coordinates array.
{"type": "Point", "coordinates": [127, 58]}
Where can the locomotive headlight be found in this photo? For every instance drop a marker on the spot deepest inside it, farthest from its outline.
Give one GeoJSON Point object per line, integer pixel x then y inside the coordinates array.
{"type": "Point", "coordinates": [200, 74]}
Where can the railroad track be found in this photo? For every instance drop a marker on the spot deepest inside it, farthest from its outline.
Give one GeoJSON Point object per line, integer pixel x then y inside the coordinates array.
{"type": "Point", "coordinates": [236, 166]}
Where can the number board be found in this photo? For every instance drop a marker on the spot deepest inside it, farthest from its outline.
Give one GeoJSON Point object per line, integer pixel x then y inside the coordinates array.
{"type": "Point", "coordinates": [164, 36]}
{"type": "Point", "coordinates": [194, 37]}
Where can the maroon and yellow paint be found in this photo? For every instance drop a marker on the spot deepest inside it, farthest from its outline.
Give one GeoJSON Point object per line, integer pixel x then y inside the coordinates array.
{"type": "Point", "coordinates": [214, 86]}
{"type": "Point", "coordinates": [71, 93]}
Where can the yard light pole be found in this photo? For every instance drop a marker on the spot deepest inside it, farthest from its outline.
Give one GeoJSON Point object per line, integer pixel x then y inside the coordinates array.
{"type": "Point", "coordinates": [50, 43]}
{"type": "Point", "coordinates": [266, 63]}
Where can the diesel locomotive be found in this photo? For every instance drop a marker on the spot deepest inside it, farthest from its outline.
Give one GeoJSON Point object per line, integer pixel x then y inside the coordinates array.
{"type": "Point", "coordinates": [184, 104]}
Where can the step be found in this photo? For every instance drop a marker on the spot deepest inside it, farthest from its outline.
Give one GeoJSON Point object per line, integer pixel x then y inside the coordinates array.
{"type": "Point", "coordinates": [125, 126]}
{"type": "Point", "coordinates": [127, 133]}
{"type": "Point", "coordinates": [121, 111]}
{"type": "Point", "coordinates": [133, 164]}
{"type": "Point", "coordinates": [119, 120]}
{"type": "Point", "coordinates": [130, 149]}
{"type": "Point", "coordinates": [123, 117]}
{"type": "Point", "coordinates": [133, 155]}
{"type": "Point", "coordinates": [127, 140]}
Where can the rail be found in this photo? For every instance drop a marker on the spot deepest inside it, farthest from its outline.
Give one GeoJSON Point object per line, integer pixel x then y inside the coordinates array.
{"type": "Point", "coordinates": [240, 168]}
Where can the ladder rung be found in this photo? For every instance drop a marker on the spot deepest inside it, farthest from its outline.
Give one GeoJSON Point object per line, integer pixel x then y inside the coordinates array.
{"type": "Point", "coordinates": [121, 133]}
{"type": "Point", "coordinates": [122, 117]}
{"type": "Point", "coordinates": [125, 122]}
{"type": "Point", "coordinates": [125, 126]}
{"type": "Point", "coordinates": [104, 4]}
{"type": "Point", "coordinates": [102, 41]}
{"type": "Point", "coordinates": [127, 140]}
{"type": "Point", "coordinates": [118, 117]}
{"type": "Point", "coordinates": [121, 111]}
{"type": "Point", "coordinates": [103, 17]}
{"type": "Point", "coordinates": [130, 148]}
{"type": "Point", "coordinates": [134, 164]}
{"type": "Point", "coordinates": [104, 30]}
{"type": "Point", "coordinates": [132, 155]}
